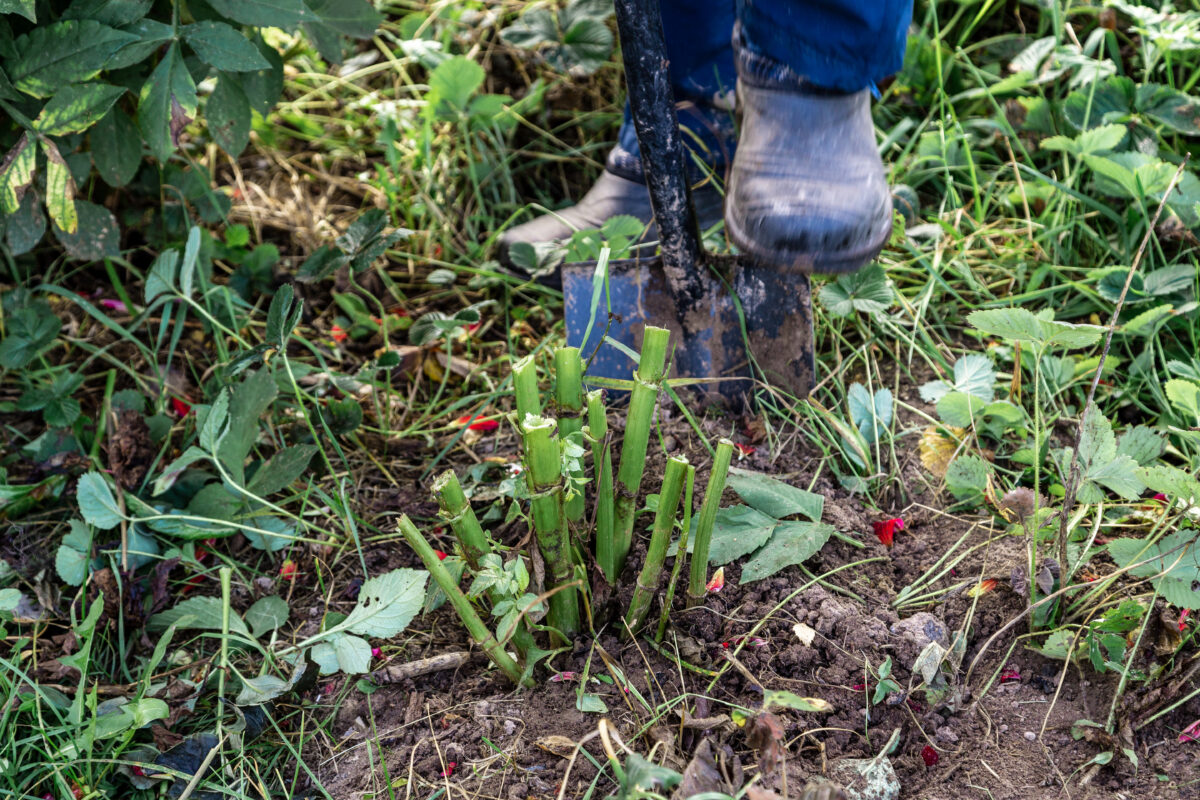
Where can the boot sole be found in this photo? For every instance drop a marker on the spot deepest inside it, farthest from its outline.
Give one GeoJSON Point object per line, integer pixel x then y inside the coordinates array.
{"type": "Point", "coordinates": [809, 263]}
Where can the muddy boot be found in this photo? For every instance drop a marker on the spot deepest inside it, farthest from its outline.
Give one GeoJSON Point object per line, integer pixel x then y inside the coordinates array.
{"type": "Point", "coordinates": [807, 191]}
{"type": "Point", "coordinates": [610, 196]}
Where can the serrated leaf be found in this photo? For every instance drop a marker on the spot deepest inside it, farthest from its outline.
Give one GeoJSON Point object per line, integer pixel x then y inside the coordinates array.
{"type": "Point", "coordinates": [282, 469]}
{"type": "Point", "coordinates": [386, 604]}
{"type": "Point", "coordinates": [228, 116]}
{"type": "Point", "coordinates": [1120, 476]}
{"type": "Point", "coordinates": [267, 614]}
{"type": "Point", "coordinates": [1175, 559]}
{"type": "Point", "coordinates": [1022, 325]}
{"type": "Point", "coordinates": [974, 374]}
{"type": "Point", "coordinates": [791, 543]}
{"type": "Point", "coordinates": [1146, 323]}
{"type": "Point", "coordinates": [1171, 481]}
{"type": "Point", "coordinates": [50, 57]}
{"type": "Point", "coordinates": [116, 147]}
{"type": "Point", "coordinates": [76, 108]}
{"type": "Point", "coordinates": [198, 614]}
{"type": "Point", "coordinates": [451, 85]}
{"type": "Point", "coordinates": [967, 477]}
{"type": "Point", "coordinates": [272, 535]}
{"type": "Point", "coordinates": [163, 272]}
{"type": "Point", "coordinates": [1184, 396]}
{"type": "Point", "coordinates": [250, 400]}
{"type": "Point", "coordinates": [74, 554]}
{"type": "Point", "coordinates": [774, 497]}
{"type": "Point", "coordinates": [60, 189]}
{"type": "Point", "coordinates": [867, 291]}
{"type": "Point", "coordinates": [737, 531]}
{"type": "Point", "coordinates": [959, 409]}
{"type": "Point", "coordinates": [223, 47]}
{"type": "Point", "coordinates": [166, 104]}
{"type": "Point", "coordinates": [1142, 443]}
{"type": "Point", "coordinates": [96, 501]}
{"type": "Point", "coordinates": [29, 331]}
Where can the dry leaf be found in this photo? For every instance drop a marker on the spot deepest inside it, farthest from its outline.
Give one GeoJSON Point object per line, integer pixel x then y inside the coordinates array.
{"type": "Point", "coordinates": [804, 633]}
{"type": "Point", "coordinates": [937, 449]}
{"type": "Point", "coordinates": [556, 745]}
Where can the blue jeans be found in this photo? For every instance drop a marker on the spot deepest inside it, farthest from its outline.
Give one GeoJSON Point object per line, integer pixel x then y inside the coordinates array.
{"type": "Point", "coordinates": [843, 45]}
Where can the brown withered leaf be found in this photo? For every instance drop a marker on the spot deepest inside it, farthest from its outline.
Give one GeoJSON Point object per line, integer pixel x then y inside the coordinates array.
{"type": "Point", "coordinates": [937, 449]}
{"type": "Point", "coordinates": [765, 735]}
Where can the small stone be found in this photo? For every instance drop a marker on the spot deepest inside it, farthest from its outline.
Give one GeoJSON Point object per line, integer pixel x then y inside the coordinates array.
{"type": "Point", "coordinates": [944, 734]}
{"type": "Point", "coordinates": [1004, 729]}
{"type": "Point", "coordinates": [866, 778]}
{"type": "Point", "coordinates": [1030, 735]}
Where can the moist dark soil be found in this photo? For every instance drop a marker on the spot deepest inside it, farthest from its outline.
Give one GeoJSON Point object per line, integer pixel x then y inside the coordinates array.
{"type": "Point", "coordinates": [1005, 730]}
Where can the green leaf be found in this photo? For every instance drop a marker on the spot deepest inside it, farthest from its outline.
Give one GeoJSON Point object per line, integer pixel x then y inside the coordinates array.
{"type": "Point", "coordinates": [60, 189]}
{"type": "Point", "coordinates": [221, 46]}
{"type": "Point", "coordinates": [267, 614]}
{"type": "Point", "coordinates": [871, 415]}
{"type": "Point", "coordinates": [26, 8]}
{"type": "Point", "coordinates": [868, 291]}
{"type": "Point", "coordinates": [215, 423]}
{"type": "Point", "coordinates": [737, 531]}
{"type": "Point", "coordinates": [1184, 396]}
{"type": "Point", "coordinates": [357, 18]}
{"type": "Point", "coordinates": [1175, 559]}
{"type": "Point", "coordinates": [353, 653]}
{"type": "Point", "coordinates": [74, 554]}
{"type": "Point", "coordinates": [792, 543]}
{"type": "Point", "coordinates": [967, 477]}
{"type": "Point", "coordinates": [1101, 465]}
{"type": "Point", "coordinates": [959, 409]}
{"type": "Point", "coordinates": [451, 85]}
{"type": "Point", "coordinates": [116, 148]}
{"type": "Point", "coordinates": [587, 44]}
{"type": "Point", "coordinates": [1146, 323]}
{"type": "Point", "coordinates": [50, 57]}
{"type": "Point", "coordinates": [590, 703]}
{"type": "Point", "coordinates": [16, 173]}
{"type": "Point", "coordinates": [1142, 443]}
{"type": "Point", "coordinates": [162, 277]}
{"type": "Point", "coordinates": [282, 469]}
{"type": "Point", "coordinates": [76, 108]}
{"type": "Point", "coordinates": [780, 698]}
{"type": "Point", "coordinates": [228, 116]}
{"type": "Point", "coordinates": [152, 36]}
{"type": "Point", "coordinates": [265, 13]}
{"type": "Point", "coordinates": [263, 689]}
{"type": "Point", "coordinates": [974, 374]}
{"type": "Point", "coordinates": [774, 497]}
{"type": "Point", "coordinates": [173, 470]}
{"type": "Point", "coordinates": [1022, 325]}
{"type": "Point", "coordinates": [263, 88]}
{"type": "Point", "coordinates": [1177, 110]}
{"type": "Point", "coordinates": [9, 600]}
{"type": "Point", "coordinates": [111, 12]}
{"type": "Point", "coordinates": [96, 235]}
{"type": "Point", "coordinates": [387, 604]}
{"type": "Point", "coordinates": [197, 614]}
{"type": "Point", "coordinates": [273, 534]}
{"type": "Point", "coordinates": [1100, 139]}
{"type": "Point", "coordinates": [1171, 481]}
{"type": "Point", "coordinates": [250, 400]}
{"type": "Point", "coordinates": [96, 501]}
{"type": "Point", "coordinates": [167, 104]}
{"type": "Point", "coordinates": [29, 331]}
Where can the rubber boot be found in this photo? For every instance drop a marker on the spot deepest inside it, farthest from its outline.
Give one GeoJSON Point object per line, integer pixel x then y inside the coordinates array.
{"type": "Point", "coordinates": [807, 190]}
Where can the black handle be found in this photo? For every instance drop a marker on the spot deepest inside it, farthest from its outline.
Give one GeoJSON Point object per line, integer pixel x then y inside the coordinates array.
{"type": "Point", "coordinates": [644, 51]}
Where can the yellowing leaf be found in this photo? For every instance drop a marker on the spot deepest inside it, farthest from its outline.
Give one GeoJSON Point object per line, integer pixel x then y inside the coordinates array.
{"type": "Point", "coordinates": [937, 449]}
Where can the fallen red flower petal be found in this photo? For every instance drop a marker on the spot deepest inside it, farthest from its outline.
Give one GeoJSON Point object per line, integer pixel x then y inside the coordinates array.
{"type": "Point", "coordinates": [562, 677]}
{"type": "Point", "coordinates": [1010, 675]}
{"type": "Point", "coordinates": [338, 334]}
{"type": "Point", "coordinates": [929, 755]}
{"type": "Point", "coordinates": [181, 408]}
{"type": "Point", "coordinates": [441, 556]}
{"type": "Point", "coordinates": [476, 424]}
{"type": "Point", "coordinates": [718, 581]}
{"type": "Point", "coordinates": [449, 769]}
{"type": "Point", "coordinates": [982, 588]}
{"type": "Point", "coordinates": [885, 529]}
{"type": "Point", "coordinates": [1191, 733]}
{"type": "Point", "coordinates": [744, 449]}
{"type": "Point", "coordinates": [1183, 618]}
{"type": "Point", "coordinates": [375, 652]}
{"type": "Point", "coordinates": [858, 687]}
{"type": "Point", "coordinates": [287, 570]}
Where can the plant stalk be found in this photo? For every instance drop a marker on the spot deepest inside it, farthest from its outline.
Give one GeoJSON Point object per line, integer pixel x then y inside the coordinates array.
{"type": "Point", "coordinates": [543, 471]}
{"type": "Point", "coordinates": [637, 433]}
{"type": "Point", "coordinates": [602, 464]}
{"type": "Point", "coordinates": [525, 387]}
{"type": "Point", "coordinates": [680, 554]}
{"type": "Point", "coordinates": [462, 605]}
{"type": "Point", "coordinates": [660, 537]}
{"type": "Point", "coordinates": [704, 525]}
{"type": "Point", "coordinates": [458, 514]}
{"type": "Point", "coordinates": [568, 397]}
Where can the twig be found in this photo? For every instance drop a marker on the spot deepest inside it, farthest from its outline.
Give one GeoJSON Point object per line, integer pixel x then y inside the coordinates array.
{"type": "Point", "coordinates": [1073, 471]}
{"type": "Point", "coordinates": [412, 669]}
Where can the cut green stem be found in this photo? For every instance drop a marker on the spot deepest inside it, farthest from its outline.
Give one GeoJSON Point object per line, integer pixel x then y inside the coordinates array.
{"type": "Point", "coordinates": [466, 612]}
{"type": "Point", "coordinates": [660, 537]}
{"type": "Point", "coordinates": [602, 464]}
{"type": "Point", "coordinates": [568, 397]}
{"type": "Point", "coordinates": [544, 476]}
{"type": "Point", "coordinates": [637, 433]}
{"type": "Point", "coordinates": [680, 554]}
{"type": "Point", "coordinates": [458, 514]}
{"type": "Point", "coordinates": [525, 387]}
{"type": "Point", "coordinates": [704, 525]}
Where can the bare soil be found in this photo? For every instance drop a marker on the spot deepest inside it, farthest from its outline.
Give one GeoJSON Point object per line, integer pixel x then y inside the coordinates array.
{"type": "Point", "coordinates": [1005, 733]}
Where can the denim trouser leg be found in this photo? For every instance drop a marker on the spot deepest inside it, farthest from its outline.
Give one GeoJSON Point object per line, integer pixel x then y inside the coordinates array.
{"type": "Point", "coordinates": [845, 45]}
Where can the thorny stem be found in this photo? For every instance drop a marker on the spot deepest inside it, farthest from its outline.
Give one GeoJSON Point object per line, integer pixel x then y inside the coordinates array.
{"type": "Point", "coordinates": [1073, 472]}
{"type": "Point", "coordinates": [664, 523]}
{"type": "Point", "coordinates": [704, 525]}
{"type": "Point", "coordinates": [637, 433]}
{"type": "Point", "coordinates": [466, 612]}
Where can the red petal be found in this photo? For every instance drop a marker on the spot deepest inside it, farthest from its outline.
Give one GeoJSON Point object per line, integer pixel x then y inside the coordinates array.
{"type": "Point", "coordinates": [718, 581]}
{"type": "Point", "coordinates": [929, 755]}
{"type": "Point", "coordinates": [1191, 733]}
{"type": "Point", "coordinates": [744, 449]}
{"type": "Point", "coordinates": [886, 529]}
{"type": "Point", "coordinates": [1183, 617]}
{"type": "Point", "coordinates": [441, 556]}
{"type": "Point", "coordinates": [337, 333]}
{"type": "Point", "coordinates": [180, 408]}
{"type": "Point", "coordinates": [1010, 675]}
{"type": "Point", "coordinates": [287, 570]}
